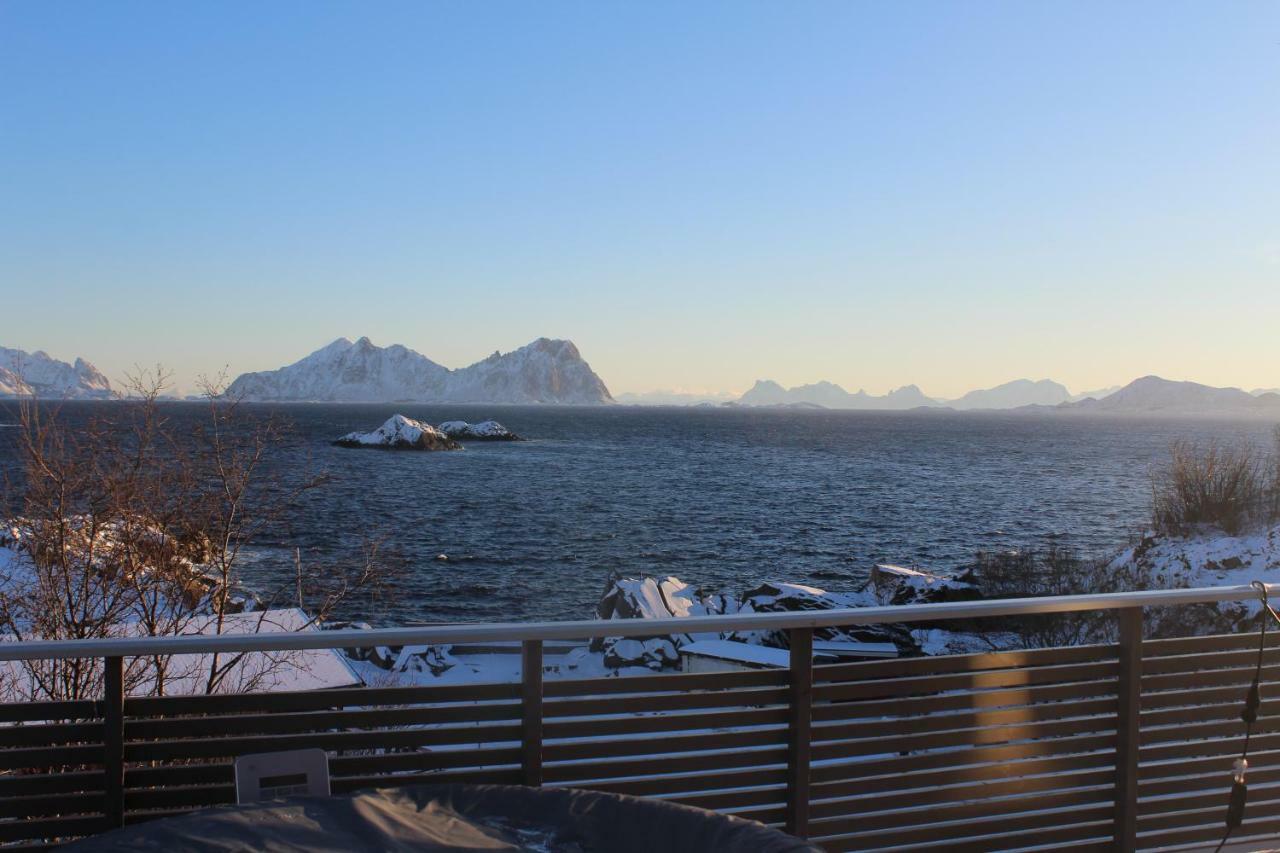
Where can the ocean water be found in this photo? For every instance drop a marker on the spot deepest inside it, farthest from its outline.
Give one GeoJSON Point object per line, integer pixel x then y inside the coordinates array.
{"type": "Point", "coordinates": [723, 498]}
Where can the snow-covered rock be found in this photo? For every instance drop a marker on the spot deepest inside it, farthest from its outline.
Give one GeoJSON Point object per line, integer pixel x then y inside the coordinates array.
{"type": "Point", "coordinates": [37, 374]}
{"type": "Point", "coordinates": [483, 431]}
{"type": "Point", "coordinates": [901, 585]}
{"type": "Point", "coordinates": [545, 371]}
{"type": "Point", "coordinates": [651, 598]}
{"type": "Point", "coordinates": [784, 597]}
{"type": "Point", "coordinates": [400, 433]}
{"type": "Point", "coordinates": [422, 659]}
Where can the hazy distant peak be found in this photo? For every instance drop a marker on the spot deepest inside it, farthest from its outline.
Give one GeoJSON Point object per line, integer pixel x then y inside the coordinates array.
{"type": "Point", "coordinates": [829, 395]}
{"type": "Point", "coordinates": [1014, 394]}
{"type": "Point", "coordinates": [1154, 394]}
{"type": "Point", "coordinates": [1097, 394]}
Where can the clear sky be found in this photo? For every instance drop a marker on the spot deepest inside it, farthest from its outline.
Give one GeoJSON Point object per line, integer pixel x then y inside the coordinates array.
{"type": "Point", "coordinates": [698, 194]}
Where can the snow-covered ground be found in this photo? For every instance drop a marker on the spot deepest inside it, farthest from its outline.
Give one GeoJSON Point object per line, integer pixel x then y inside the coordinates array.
{"type": "Point", "coordinates": [1207, 559]}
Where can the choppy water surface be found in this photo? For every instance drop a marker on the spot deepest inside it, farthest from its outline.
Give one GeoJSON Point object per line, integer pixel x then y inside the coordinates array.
{"type": "Point", "coordinates": [722, 498]}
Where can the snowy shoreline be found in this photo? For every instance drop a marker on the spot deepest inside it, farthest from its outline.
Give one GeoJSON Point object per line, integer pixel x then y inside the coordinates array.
{"type": "Point", "coordinates": [1207, 559]}
{"type": "Point", "coordinates": [1211, 558]}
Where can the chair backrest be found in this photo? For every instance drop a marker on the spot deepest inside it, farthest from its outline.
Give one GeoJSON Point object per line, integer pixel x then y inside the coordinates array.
{"type": "Point", "coordinates": [271, 775]}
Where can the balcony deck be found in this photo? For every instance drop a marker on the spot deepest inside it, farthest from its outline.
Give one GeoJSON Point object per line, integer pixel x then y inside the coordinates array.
{"type": "Point", "coordinates": [1120, 746]}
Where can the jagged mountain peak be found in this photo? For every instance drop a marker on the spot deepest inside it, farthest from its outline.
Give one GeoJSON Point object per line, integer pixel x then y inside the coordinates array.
{"type": "Point", "coordinates": [543, 371]}
{"type": "Point", "coordinates": [38, 374]}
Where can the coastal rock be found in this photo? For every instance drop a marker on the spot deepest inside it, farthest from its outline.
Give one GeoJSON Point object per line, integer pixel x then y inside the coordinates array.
{"type": "Point", "coordinates": [901, 585]}
{"type": "Point", "coordinates": [400, 433]}
{"type": "Point", "coordinates": [790, 597]}
{"type": "Point", "coordinates": [489, 430]}
{"type": "Point", "coordinates": [651, 598]}
{"type": "Point", "coordinates": [435, 660]}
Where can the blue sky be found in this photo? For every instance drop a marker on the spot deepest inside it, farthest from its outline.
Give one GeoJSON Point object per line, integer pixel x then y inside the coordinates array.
{"type": "Point", "coordinates": [698, 194]}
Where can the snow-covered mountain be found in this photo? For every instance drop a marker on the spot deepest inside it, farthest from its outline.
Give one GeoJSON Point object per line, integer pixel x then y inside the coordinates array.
{"type": "Point", "coordinates": [1153, 395]}
{"type": "Point", "coordinates": [1011, 395]}
{"type": "Point", "coordinates": [24, 374]}
{"type": "Point", "coordinates": [766, 392]}
{"type": "Point", "coordinates": [545, 371]}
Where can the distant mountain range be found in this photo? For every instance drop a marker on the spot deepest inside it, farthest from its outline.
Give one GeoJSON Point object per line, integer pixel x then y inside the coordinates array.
{"type": "Point", "coordinates": [1011, 395]}
{"type": "Point", "coordinates": [828, 395]}
{"type": "Point", "coordinates": [545, 371]}
{"type": "Point", "coordinates": [554, 372]}
{"type": "Point", "coordinates": [37, 374]}
{"type": "Point", "coordinates": [1153, 395]}
{"type": "Point", "coordinates": [1148, 395]}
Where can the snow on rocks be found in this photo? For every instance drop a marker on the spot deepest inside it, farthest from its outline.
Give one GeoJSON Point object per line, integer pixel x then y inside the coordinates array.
{"type": "Point", "coordinates": [784, 597]}
{"type": "Point", "coordinates": [400, 433]}
{"type": "Point", "coordinates": [901, 585]}
{"type": "Point", "coordinates": [650, 598]}
{"type": "Point", "coordinates": [419, 659]}
{"type": "Point", "coordinates": [489, 430]}
{"type": "Point", "coordinates": [1208, 558]}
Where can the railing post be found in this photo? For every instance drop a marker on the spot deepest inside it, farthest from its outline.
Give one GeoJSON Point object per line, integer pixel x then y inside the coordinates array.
{"type": "Point", "coordinates": [113, 739]}
{"type": "Point", "coordinates": [1125, 833]}
{"type": "Point", "coordinates": [798, 742]}
{"type": "Point", "coordinates": [531, 712]}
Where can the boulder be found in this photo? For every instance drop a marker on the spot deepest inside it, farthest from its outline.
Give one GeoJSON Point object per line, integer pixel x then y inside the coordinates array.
{"type": "Point", "coordinates": [650, 598]}
{"type": "Point", "coordinates": [790, 597]}
{"type": "Point", "coordinates": [400, 433]}
{"type": "Point", "coordinates": [424, 659]}
{"type": "Point", "coordinates": [901, 585]}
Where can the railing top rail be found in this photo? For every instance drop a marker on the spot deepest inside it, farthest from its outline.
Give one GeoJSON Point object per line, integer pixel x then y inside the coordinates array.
{"type": "Point", "coordinates": [584, 629]}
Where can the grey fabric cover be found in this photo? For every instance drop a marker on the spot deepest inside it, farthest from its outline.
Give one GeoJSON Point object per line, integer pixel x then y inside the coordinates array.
{"type": "Point", "coordinates": [455, 818]}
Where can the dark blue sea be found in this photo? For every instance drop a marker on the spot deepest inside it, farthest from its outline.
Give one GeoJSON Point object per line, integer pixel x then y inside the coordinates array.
{"type": "Point", "coordinates": [723, 498]}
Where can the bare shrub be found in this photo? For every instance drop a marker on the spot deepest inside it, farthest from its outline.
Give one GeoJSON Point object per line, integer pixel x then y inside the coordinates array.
{"type": "Point", "coordinates": [1228, 487]}
{"type": "Point", "coordinates": [134, 523]}
{"type": "Point", "coordinates": [1056, 570]}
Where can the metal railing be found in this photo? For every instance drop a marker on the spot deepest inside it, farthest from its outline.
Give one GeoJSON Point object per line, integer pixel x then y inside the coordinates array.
{"type": "Point", "coordinates": [1078, 742]}
{"type": "Point", "coordinates": [592, 628]}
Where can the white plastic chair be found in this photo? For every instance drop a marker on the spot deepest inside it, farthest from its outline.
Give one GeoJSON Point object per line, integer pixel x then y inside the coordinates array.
{"type": "Point", "coordinates": [271, 775]}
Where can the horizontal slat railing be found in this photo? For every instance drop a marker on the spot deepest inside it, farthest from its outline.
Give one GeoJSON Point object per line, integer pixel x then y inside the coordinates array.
{"type": "Point", "coordinates": [1193, 691]}
{"type": "Point", "coordinates": [1062, 748]}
